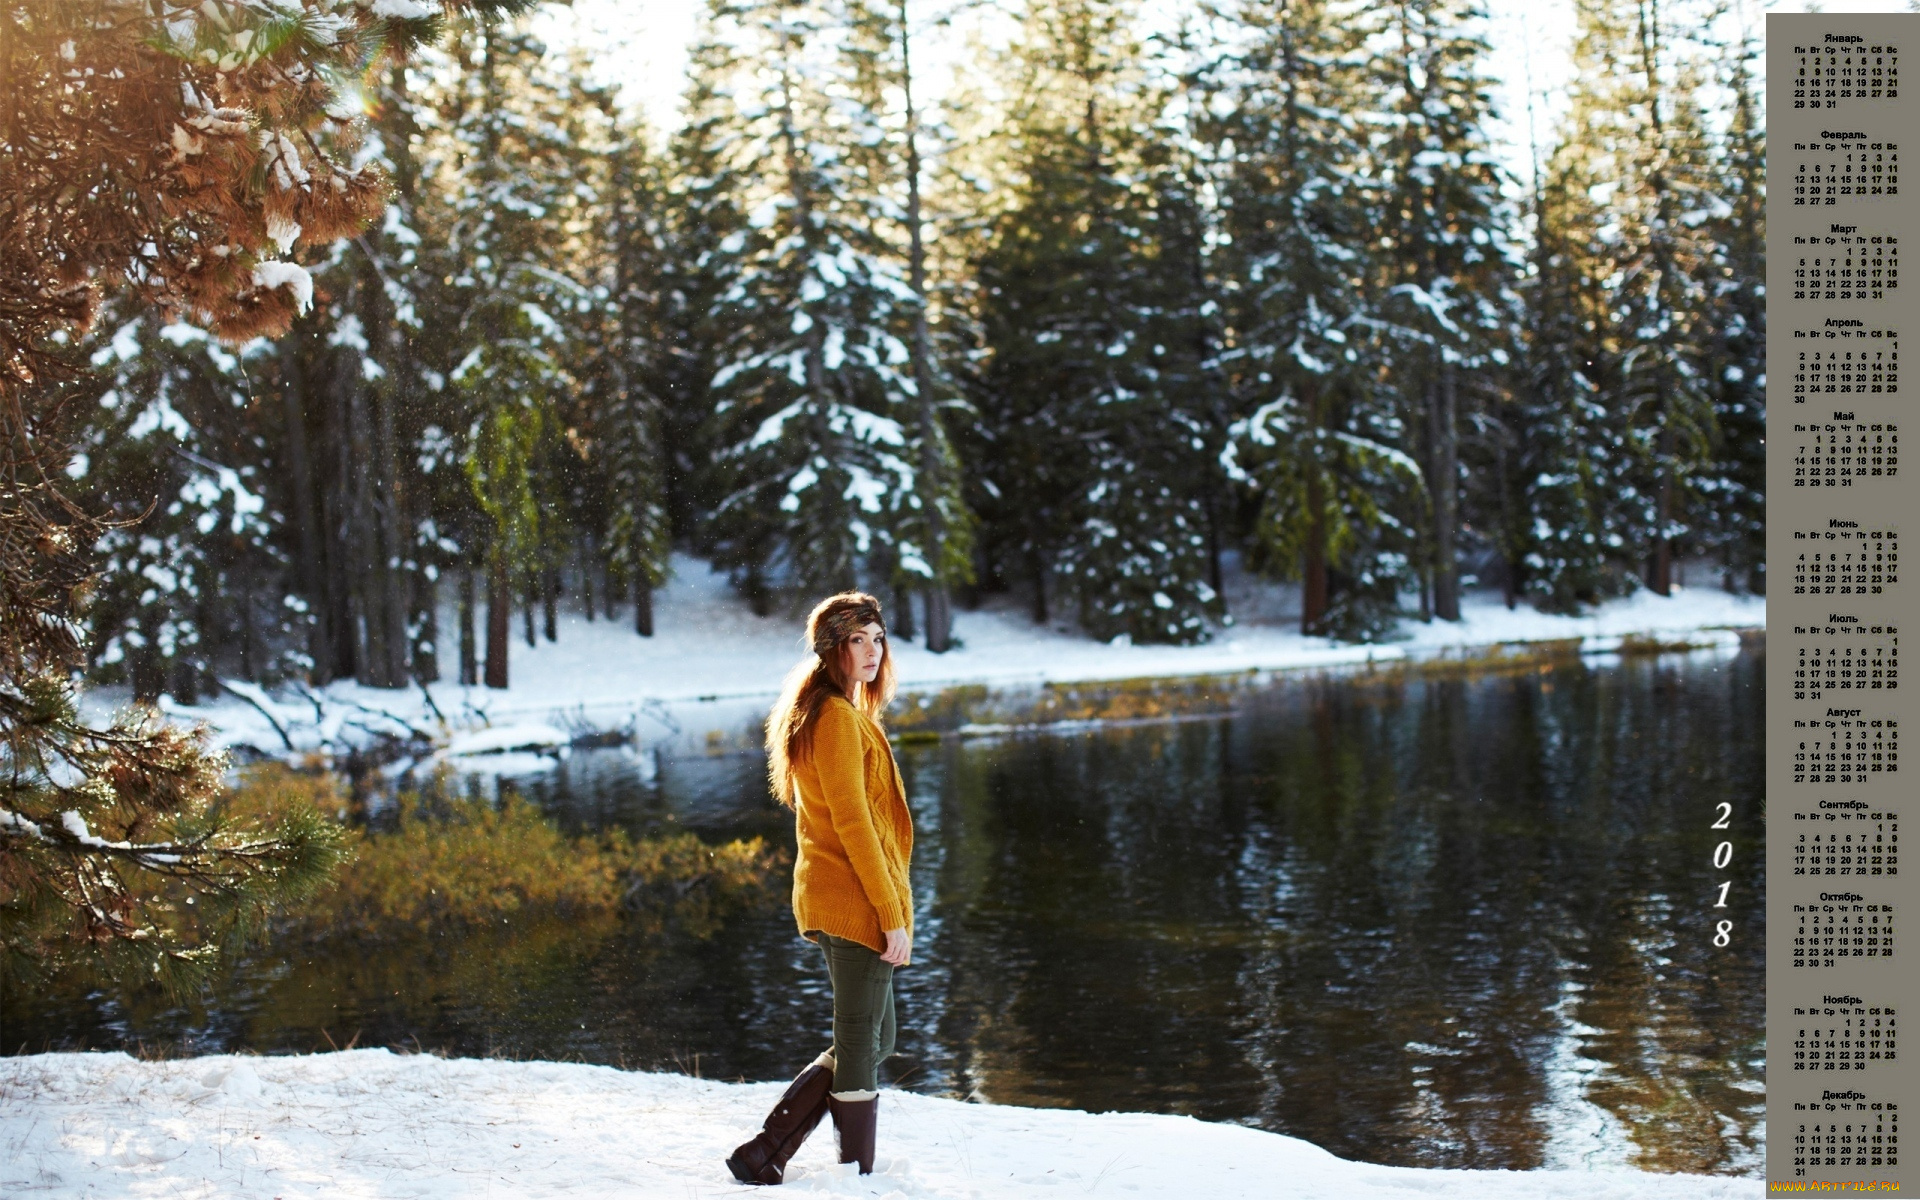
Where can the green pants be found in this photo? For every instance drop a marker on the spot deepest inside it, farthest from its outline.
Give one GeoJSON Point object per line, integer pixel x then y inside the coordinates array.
{"type": "Point", "coordinates": [863, 1026]}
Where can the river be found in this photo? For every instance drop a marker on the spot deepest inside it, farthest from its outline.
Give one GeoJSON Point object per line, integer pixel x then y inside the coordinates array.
{"type": "Point", "coordinates": [1419, 920]}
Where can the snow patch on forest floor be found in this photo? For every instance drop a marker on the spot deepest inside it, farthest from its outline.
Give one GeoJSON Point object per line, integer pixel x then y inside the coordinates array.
{"type": "Point", "coordinates": [370, 1123]}
{"type": "Point", "coordinates": [712, 666]}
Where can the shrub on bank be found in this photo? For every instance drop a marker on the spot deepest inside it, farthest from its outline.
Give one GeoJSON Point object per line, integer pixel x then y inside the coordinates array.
{"type": "Point", "coordinates": [452, 862]}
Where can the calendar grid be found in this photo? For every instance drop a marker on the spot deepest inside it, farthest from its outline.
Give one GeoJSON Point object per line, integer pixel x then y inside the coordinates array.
{"type": "Point", "coordinates": [1837, 505]}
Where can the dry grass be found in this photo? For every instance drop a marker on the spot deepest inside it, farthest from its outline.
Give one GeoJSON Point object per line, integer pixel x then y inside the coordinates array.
{"type": "Point", "coordinates": [453, 862]}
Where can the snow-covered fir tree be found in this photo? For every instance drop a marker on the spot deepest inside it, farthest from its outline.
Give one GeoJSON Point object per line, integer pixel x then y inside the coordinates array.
{"type": "Point", "coordinates": [1089, 456]}
{"type": "Point", "coordinates": [1733, 486]}
{"type": "Point", "coordinates": [625, 407]}
{"type": "Point", "coordinates": [1636, 121]}
{"type": "Point", "coordinates": [934, 531]}
{"type": "Point", "coordinates": [702, 189]}
{"type": "Point", "coordinates": [815, 378]}
{"type": "Point", "coordinates": [509, 224]}
{"type": "Point", "coordinates": [1563, 456]}
{"type": "Point", "coordinates": [193, 582]}
{"type": "Point", "coordinates": [1442, 309]}
{"type": "Point", "coordinates": [1320, 448]}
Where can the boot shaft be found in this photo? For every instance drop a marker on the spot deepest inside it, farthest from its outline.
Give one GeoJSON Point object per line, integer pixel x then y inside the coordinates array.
{"type": "Point", "coordinates": [763, 1158]}
{"type": "Point", "coordinates": [855, 1119]}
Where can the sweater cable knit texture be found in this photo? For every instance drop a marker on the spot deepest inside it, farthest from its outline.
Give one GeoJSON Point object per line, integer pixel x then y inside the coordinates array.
{"type": "Point", "coordinates": [855, 833]}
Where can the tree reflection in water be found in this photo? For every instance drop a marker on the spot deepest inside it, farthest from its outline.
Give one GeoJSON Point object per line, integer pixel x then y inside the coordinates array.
{"type": "Point", "coordinates": [1444, 923]}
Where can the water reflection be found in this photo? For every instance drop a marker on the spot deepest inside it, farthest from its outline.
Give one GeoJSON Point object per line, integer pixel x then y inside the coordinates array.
{"type": "Point", "coordinates": [1437, 923]}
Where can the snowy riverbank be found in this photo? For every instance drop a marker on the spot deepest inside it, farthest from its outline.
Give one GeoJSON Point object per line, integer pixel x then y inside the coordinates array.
{"type": "Point", "coordinates": [368, 1123]}
{"type": "Point", "coordinates": [713, 666]}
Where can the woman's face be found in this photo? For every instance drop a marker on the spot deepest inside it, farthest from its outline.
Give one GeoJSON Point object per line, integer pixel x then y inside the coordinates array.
{"type": "Point", "coordinates": [864, 651]}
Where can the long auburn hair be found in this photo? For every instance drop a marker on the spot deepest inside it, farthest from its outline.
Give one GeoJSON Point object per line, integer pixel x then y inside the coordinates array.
{"type": "Point", "coordinates": [820, 675]}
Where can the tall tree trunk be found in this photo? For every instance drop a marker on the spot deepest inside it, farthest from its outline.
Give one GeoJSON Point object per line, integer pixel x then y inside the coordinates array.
{"type": "Point", "coordinates": [1445, 482]}
{"type": "Point", "coordinates": [1660, 566]}
{"type": "Point", "coordinates": [364, 536]}
{"type": "Point", "coordinates": [587, 559]}
{"type": "Point", "coordinates": [1313, 564]}
{"type": "Point", "coordinates": [249, 668]}
{"type": "Point", "coordinates": [1037, 568]}
{"type": "Point", "coordinates": [426, 647]}
{"type": "Point", "coordinates": [759, 598]}
{"type": "Point", "coordinates": [1510, 557]}
{"type": "Point", "coordinates": [469, 656]}
{"type": "Point", "coordinates": [643, 606]}
{"type": "Point", "coordinates": [146, 670]}
{"type": "Point", "coordinates": [938, 605]}
{"type": "Point", "coordinates": [531, 600]}
{"type": "Point", "coordinates": [393, 580]}
{"type": "Point", "coordinates": [1216, 574]}
{"type": "Point", "coordinates": [903, 613]}
{"type": "Point", "coordinates": [550, 603]}
{"type": "Point", "coordinates": [499, 615]}
{"type": "Point", "coordinates": [311, 569]}
{"type": "Point", "coordinates": [342, 520]}
{"type": "Point", "coordinates": [938, 593]}
{"type": "Point", "coordinates": [387, 606]}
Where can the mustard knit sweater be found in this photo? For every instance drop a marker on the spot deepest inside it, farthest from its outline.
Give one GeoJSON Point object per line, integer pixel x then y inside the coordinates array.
{"type": "Point", "coordinates": [855, 834]}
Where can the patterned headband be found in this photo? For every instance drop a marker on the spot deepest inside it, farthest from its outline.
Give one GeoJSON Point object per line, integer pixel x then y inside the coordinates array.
{"type": "Point", "coordinates": [833, 628]}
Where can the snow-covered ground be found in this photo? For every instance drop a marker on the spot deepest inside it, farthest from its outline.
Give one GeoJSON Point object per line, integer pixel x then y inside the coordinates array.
{"type": "Point", "coordinates": [368, 1123]}
{"type": "Point", "coordinates": [712, 666]}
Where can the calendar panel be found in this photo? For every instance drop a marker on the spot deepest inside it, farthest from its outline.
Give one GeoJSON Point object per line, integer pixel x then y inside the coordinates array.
{"type": "Point", "coordinates": [1846, 361]}
{"type": "Point", "coordinates": [1845, 658]}
{"type": "Point", "coordinates": [1840, 1033]}
{"type": "Point", "coordinates": [1844, 167]}
{"type": "Point", "coordinates": [1828, 75]}
{"type": "Point", "coordinates": [1845, 837]}
{"type": "Point", "coordinates": [1859, 843]}
{"type": "Point", "coordinates": [1847, 852]}
{"type": "Point", "coordinates": [1846, 747]}
{"type": "Point", "coordinates": [1837, 503]}
{"type": "Point", "coordinates": [1845, 559]}
{"type": "Point", "coordinates": [1844, 452]}
{"type": "Point", "coordinates": [1845, 264]}
{"type": "Point", "coordinates": [1846, 1129]}
{"type": "Point", "coordinates": [1841, 926]}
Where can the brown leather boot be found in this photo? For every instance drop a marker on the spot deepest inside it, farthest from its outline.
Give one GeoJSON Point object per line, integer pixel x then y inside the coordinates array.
{"type": "Point", "coordinates": [764, 1158]}
{"type": "Point", "coordinates": [855, 1120]}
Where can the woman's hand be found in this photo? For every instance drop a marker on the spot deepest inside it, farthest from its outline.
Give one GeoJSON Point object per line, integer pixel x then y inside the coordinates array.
{"type": "Point", "coordinates": [899, 951]}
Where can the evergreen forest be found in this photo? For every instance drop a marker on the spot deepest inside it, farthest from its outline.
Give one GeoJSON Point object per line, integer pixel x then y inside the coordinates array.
{"type": "Point", "coordinates": [1120, 308]}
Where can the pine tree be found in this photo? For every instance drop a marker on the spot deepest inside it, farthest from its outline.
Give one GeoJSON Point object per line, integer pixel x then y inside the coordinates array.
{"type": "Point", "coordinates": [167, 149]}
{"type": "Point", "coordinates": [815, 375]}
{"type": "Point", "coordinates": [1443, 301]}
{"type": "Point", "coordinates": [1565, 453]}
{"type": "Point", "coordinates": [1733, 487]}
{"type": "Point", "coordinates": [702, 191]}
{"type": "Point", "coordinates": [508, 231]}
{"type": "Point", "coordinates": [628, 410]}
{"type": "Point", "coordinates": [1636, 114]}
{"type": "Point", "coordinates": [191, 570]}
{"type": "Point", "coordinates": [1320, 445]}
{"type": "Point", "coordinates": [935, 532]}
{"type": "Point", "coordinates": [1190, 185]}
{"type": "Point", "coordinates": [1086, 314]}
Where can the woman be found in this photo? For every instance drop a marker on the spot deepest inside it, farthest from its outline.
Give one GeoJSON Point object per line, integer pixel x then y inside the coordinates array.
{"type": "Point", "coordinates": [828, 759]}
